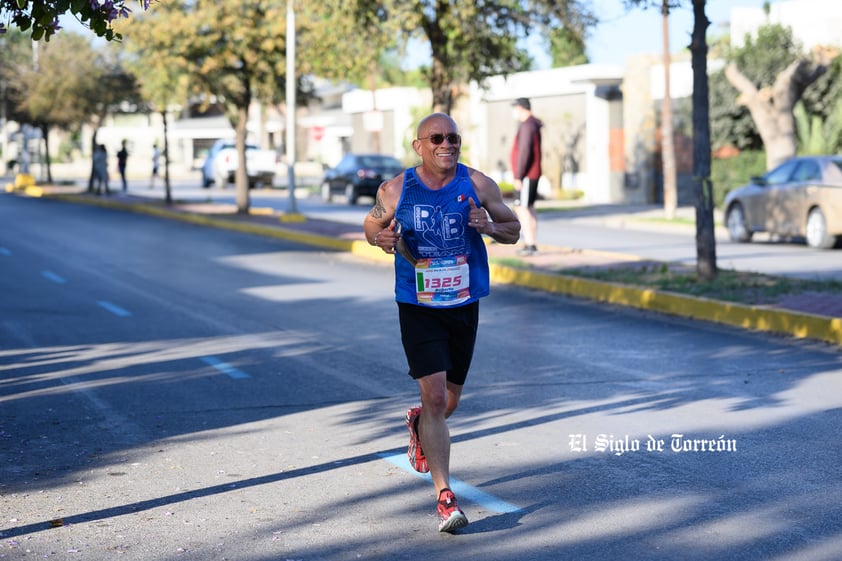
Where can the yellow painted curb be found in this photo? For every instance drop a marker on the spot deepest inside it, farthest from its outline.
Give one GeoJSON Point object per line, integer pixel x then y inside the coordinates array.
{"type": "Point", "coordinates": [24, 180]}
{"type": "Point", "coordinates": [292, 217]}
{"type": "Point", "coordinates": [364, 249]}
{"type": "Point", "coordinates": [758, 318]}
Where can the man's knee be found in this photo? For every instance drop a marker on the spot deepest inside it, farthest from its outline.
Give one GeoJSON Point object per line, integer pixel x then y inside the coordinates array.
{"type": "Point", "coordinates": [434, 394]}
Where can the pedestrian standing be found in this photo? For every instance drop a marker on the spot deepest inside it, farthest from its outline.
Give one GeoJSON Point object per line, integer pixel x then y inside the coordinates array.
{"type": "Point", "coordinates": [156, 164]}
{"type": "Point", "coordinates": [122, 160]}
{"type": "Point", "coordinates": [100, 158]}
{"type": "Point", "coordinates": [526, 169]}
{"type": "Point", "coordinates": [432, 217]}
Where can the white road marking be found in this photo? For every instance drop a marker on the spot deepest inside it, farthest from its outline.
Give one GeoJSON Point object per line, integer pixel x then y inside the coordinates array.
{"type": "Point", "coordinates": [114, 309]}
{"type": "Point", "coordinates": [49, 275]}
{"type": "Point", "coordinates": [459, 488]}
{"type": "Point", "coordinates": [225, 368]}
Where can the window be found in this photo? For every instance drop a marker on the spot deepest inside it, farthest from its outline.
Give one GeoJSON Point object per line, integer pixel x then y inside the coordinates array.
{"type": "Point", "coordinates": [807, 171]}
{"type": "Point", "coordinates": [781, 174]}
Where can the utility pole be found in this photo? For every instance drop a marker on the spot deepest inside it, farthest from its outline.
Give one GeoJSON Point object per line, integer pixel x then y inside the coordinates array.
{"type": "Point", "coordinates": [667, 144]}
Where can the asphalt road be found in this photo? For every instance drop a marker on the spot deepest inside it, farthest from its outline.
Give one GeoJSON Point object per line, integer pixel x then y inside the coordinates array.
{"type": "Point", "coordinates": [169, 391]}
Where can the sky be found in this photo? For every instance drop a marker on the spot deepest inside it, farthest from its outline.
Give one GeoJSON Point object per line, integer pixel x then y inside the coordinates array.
{"type": "Point", "coordinates": [638, 31]}
{"type": "Point", "coordinates": [621, 33]}
{"type": "Point", "coordinates": [627, 32]}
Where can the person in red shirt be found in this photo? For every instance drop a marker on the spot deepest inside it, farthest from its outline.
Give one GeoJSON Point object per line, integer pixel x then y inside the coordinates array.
{"type": "Point", "coordinates": [526, 169]}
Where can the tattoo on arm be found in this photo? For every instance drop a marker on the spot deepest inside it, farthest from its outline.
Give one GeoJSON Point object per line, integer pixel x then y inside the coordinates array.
{"type": "Point", "coordinates": [378, 210]}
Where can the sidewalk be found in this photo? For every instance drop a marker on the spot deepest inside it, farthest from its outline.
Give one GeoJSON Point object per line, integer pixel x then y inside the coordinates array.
{"type": "Point", "coordinates": [811, 316]}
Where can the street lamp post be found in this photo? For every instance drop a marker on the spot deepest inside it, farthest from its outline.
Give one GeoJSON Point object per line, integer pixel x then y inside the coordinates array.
{"type": "Point", "coordinates": [290, 95]}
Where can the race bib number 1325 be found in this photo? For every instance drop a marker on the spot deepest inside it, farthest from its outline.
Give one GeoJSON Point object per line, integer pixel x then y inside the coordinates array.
{"type": "Point", "coordinates": [442, 281]}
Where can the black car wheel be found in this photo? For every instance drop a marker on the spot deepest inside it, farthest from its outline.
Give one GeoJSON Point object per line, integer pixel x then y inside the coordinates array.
{"type": "Point", "coordinates": [326, 194]}
{"type": "Point", "coordinates": [737, 226]}
{"type": "Point", "coordinates": [351, 193]}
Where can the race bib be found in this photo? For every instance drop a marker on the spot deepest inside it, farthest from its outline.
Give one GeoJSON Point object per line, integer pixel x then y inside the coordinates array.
{"type": "Point", "coordinates": [442, 281]}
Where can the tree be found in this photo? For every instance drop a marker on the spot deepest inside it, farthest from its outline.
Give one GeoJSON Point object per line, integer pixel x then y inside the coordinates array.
{"type": "Point", "coordinates": [771, 90]}
{"type": "Point", "coordinates": [567, 48]}
{"type": "Point", "coordinates": [230, 51]}
{"type": "Point", "coordinates": [63, 73]}
{"type": "Point", "coordinates": [473, 40]}
{"type": "Point", "coordinates": [344, 39]}
{"type": "Point", "coordinates": [114, 87]}
{"type": "Point", "coordinates": [702, 185]}
{"type": "Point", "coordinates": [163, 86]}
{"type": "Point", "coordinates": [42, 18]}
{"type": "Point", "coordinates": [17, 51]}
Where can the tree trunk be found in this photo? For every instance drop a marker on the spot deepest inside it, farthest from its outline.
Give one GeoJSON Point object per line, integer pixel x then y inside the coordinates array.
{"type": "Point", "coordinates": [241, 180]}
{"type": "Point", "coordinates": [667, 144]}
{"type": "Point", "coordinates": [440, 77]}
{"type": "Point", "coordinates": [45, 134]}
{"type": "Point", "coordinates": [702, 185]}
{"type": "Point", "coordinates": [772, 108]}
{"type": "Point", "coordinates": [440, 85]}
{"type": "Point", "coordinates": [93, 151]}
{"type": "Point", "coordinates": [167, 189]}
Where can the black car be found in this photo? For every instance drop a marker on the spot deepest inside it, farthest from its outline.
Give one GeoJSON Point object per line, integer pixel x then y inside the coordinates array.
{"type": "Point", "coordinates": [359, 175]}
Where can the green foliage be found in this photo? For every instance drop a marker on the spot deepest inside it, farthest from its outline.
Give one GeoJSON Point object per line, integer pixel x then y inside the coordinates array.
{"type": "Point", "coordinates": [818, 116]}
{"type": "Point", "coordinates": [567, 48]}
{"type": "Point", "coordinates": [761, 59]}
{"type": "Point", "coordinates": [764, 56]}
{"type": "Point", "coordinates": [349, 40]}
{"type": "Point", "coordinates": [816, 134]}
{"type": "Point", "coordinates": [730, 173]}
{"type": "Point", "coordinates": [730, 122]}
{"type": "Point", "coordinates": [477, 39]}
{"type": "Point", "coordinates": [17, 54]}
{"type": "Point", "coordinates": [71, 83]}
{"type": "Point", "coordinates": [66, 80]}
{"type": "Point", "coordinates": [729, 285]}
{"type": "Point", "coordinates": [227, 50]}
{"type": "Point", "coordinates": [41, 19]}
{"type": "Point", "coordinates": [822, 96]}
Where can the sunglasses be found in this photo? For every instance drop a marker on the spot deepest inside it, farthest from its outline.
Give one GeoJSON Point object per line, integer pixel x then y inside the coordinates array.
{"type": "Point", "coordinates": [438, 138]}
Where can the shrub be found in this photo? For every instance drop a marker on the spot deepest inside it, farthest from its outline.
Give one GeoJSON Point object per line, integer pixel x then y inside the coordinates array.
{"type": "Point", "coordinates": [730, 173]}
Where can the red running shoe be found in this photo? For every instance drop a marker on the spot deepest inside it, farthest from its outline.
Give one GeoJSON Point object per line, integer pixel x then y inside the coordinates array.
{"type": "Point", "coordinates": [450, 515]}
{"type": "Point", "coordinates": [416, 456]}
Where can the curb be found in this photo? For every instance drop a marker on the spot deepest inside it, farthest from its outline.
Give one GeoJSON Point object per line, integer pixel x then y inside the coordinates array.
{"type": "Point", "coordinates": [774, 320]}
{"type": "Point", "coordinates": [757, 318]}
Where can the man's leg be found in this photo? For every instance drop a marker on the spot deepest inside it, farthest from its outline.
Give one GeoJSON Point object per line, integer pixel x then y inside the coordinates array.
{"type": "Point", "coordinates": [432, 426]}
{"type": "Point", "coordinates": [439, 399]}
{"type": "Point", "coordinates": [532, 226]}
{"type": "Point", "coordinates": [529, 223]}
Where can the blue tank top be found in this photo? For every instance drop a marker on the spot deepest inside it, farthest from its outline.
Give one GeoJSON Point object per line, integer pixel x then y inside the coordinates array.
{"type": "Point", "coordinates": [434, 228]}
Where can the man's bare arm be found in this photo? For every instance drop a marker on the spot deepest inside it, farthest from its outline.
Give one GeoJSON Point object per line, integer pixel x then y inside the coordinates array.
{"type": "Point", "coordinates": [379, 225]}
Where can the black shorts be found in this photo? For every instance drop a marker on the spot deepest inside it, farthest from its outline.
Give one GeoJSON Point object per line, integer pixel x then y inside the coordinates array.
{"type": "Point", "coordinates": [439, 339]}
{"type": "Point", "coordinates": [528, 193]}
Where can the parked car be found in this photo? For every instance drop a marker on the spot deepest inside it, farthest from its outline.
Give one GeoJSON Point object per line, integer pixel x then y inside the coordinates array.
{"type": "Point", "coordinates": [800, 198]}
{"type": "Point", "coordinates": [359, 175]}
{"type": "Point", "coordinates": [222, 161]}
